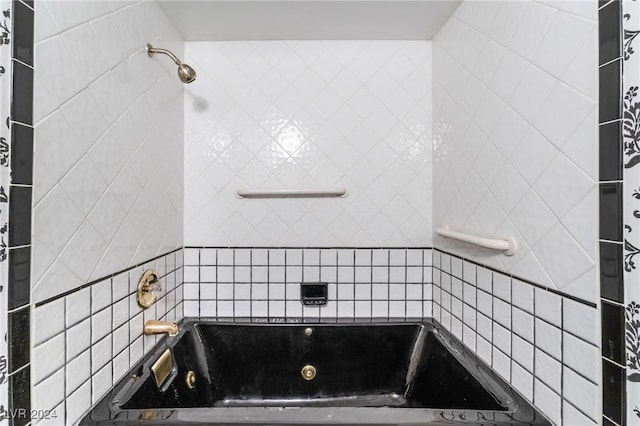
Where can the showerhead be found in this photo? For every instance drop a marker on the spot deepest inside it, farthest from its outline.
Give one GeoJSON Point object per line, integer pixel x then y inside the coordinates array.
{"type": "Point", "coordinates": [186, 74]}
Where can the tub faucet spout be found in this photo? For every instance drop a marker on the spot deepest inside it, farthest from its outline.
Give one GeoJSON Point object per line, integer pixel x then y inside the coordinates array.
{"type": "Point", "coordinates": [160, 327]}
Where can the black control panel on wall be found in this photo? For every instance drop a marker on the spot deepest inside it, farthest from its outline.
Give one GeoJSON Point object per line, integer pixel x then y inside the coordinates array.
{"type": "Point", "coordinates": [313, 293]}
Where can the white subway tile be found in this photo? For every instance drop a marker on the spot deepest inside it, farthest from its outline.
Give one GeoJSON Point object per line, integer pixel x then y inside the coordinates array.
{"type": "Point", "coordinates": [547, 401]}
{"type": "Point", "coordinates": [78, 371]}
{"type": "Point", "coordinates": [100, 384]}
{"type": "Point", "coordinates": [522, 380]}
{"type": "Point", "coordinates": [501, 364]}
{"type": "Point", "coordinates": [581, 356]}
{"type": "Point", "coordinates": [548, 338]}
{"type": "Point", "coordinates": [47, 358]}
{"type": "Point", "coordinates": [581, 320]}
{"type": "Point", "coordinates": [572, 417]}
{"type": "Point", "coordinates": [79, 338]}
{"type": "Point", "coordinates": [49, 393]}
{"type": "Point", "coordinates": [581, 393]}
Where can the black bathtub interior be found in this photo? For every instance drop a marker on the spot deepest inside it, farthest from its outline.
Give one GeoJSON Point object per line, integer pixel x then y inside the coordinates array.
{"type": "Point", "coordinates": [407, 373]}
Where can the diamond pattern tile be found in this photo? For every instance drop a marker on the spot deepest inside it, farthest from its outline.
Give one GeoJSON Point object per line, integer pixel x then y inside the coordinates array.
{"type": "Point", "coordinates": [514, 136]}
{"type": "Point", "coordinates": [111, 193]}
{"type": "Point", "coordinates": [316, 114]}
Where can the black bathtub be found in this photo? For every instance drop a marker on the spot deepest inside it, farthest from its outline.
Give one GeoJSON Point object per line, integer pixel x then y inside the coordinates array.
{"type": "Point", "coordinates": [302, 373]}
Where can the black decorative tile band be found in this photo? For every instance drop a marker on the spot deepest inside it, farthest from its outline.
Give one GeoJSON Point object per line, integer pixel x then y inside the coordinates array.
{"type": "Point", "coordinates": [19, 277]}
{"type": "Point", "coordinates": [610, 32]}
{"type": "Point", "coordinates": [23, 38]}
{"type": "Point", "coordinates": [19, 339]}
{"type": "Point", "coordinates": [611, 151]}
{"type": "Point", "coordinates": [19, 216]}
{"type": "Point", "coordinates": [612, 99]}
{"type": "Point", "coordinates": [610, 103]}
{"type": "Point", "coordinates": [613, 390]}
{"type": "Point", "coordinates": [612, 332]}
{"type": "Point", "coordinates": [20, 397]}
{"type": "Point", "coordinates": [611, 211]}
{"type": "Point", "coordinates": [20, 211]}
{"type": "Point", "coordinates": [22, 99]}
{"type": "Point", "coordinates": [21, 154]}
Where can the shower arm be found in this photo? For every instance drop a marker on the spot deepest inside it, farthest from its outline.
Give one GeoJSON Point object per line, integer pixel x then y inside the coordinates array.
{"type": "Point", "coordinates": [151, 50]}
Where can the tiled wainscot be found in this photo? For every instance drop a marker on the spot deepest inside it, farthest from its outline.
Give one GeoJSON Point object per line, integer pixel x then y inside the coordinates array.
{"type": "Point", "coordinates": [87, 340]}
{"type": "Point", "coordinates": [265, 283]}
{"type": "Point", "coordinates": [543, 343]}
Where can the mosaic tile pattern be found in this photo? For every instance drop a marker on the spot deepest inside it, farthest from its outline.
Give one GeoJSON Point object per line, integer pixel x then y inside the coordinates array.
{"type": "Point", "coordinates": [309, 114]}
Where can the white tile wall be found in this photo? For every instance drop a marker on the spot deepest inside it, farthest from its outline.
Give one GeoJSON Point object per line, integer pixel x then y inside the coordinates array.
{"type": "Point", "coordinates": [515, 137]}
{"type": "Point", "coordinates": [544, 344]}
{"type": "Point", "coordinates": [85, 342]}
{"type": "Point", "coordinates": [108, 167]}
{"type": "Point", "coordinates": [309, 114]}
{"type": "Point", "coordinates": [265, 283]}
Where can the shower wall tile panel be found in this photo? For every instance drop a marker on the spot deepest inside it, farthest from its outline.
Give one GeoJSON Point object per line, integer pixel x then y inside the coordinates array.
{"type": "Point", "coordinates": [108, 149]}
{"type": "Point", "coordinates": [544, 344]}
{"type": "Point", "coordinates": [515, 125]}
{"type": "Point", "coordinates": [265, 283]}
{"type": "Point", "coordinates": [309, 114]}
{"type": "Point", "coordinates": [630, 163]}
{"type": "Point", "coordinates": [86, 341]}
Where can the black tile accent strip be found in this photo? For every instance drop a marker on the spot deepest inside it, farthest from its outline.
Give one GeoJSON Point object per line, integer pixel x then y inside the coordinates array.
{"type": "Point", "coordinates": [23, 33]}
{"type": "Point", "coordinates": [20, 397]}
{"type": "Point", "coordinates": [610, 32]}
{"type": "Point", "coordinates": [611, 279]}
{"type": "Point", "coordinates": [610, 101]}
{"type": "Point", "coordinates": [19, 339]}
{"type": "Point", "coordinates": [20, 212]}
{"type": "Point", "coordinates": [611, 38]}
{"type": "Point", "coordinates": [19, 277]}
{"type": "Point", "coordinates": [613, 391]}
{"type": "Point", "coordinates": [21, 154]}
{"type": "Point", "coordinates": [611, 151]}
{"type": "Point", "coordinates": [22, 98]}
{"type": "Point", "coordinates": [612, 332]}
{"type": "Point", "coordinates": [611, 211]}
{"type": "Point", "coordinates": [19, 216]}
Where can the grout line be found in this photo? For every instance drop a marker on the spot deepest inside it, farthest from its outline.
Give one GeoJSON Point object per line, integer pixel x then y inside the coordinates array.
{"type": "Point", "coordinates": [619, 58]}
{"type": "Point", "coordinates": [615, 120]}
{"type": "Point", "coordinates": [31, 67]}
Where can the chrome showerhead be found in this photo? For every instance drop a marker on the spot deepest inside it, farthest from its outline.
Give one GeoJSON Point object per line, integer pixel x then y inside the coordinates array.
{"type": "Point", "coordinates": [186, 74]}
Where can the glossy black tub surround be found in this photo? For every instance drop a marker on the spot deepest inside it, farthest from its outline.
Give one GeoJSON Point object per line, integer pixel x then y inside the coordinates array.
{"type": "Point", "coordinates": [367, 373]}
